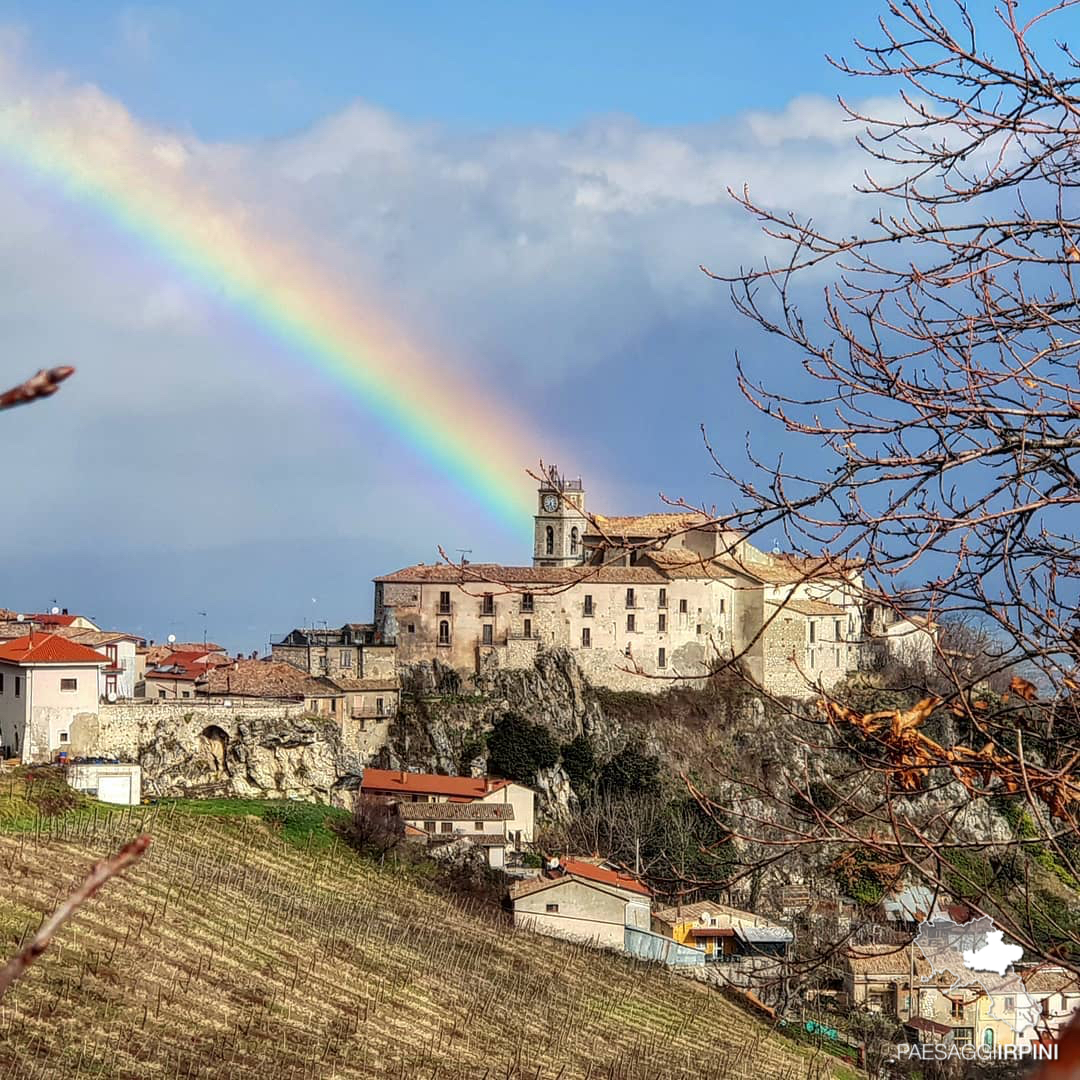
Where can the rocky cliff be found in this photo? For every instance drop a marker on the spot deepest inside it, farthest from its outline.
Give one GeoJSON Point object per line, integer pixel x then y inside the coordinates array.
{"type": "Point", "coordinates": [441, 727]}
{"type": "Point", "coordinates": [261, 751]}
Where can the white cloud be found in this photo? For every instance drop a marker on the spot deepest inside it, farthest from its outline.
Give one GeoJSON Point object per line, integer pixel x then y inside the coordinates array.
{"type": "Point", "coordinates": [526, 255]}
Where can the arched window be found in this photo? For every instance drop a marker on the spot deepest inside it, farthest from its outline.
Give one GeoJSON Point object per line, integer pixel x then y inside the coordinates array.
{"type": "Point", "coordinates": [573, 540]}
{"type": "Point", "coordinates": [550, 546]}
{"type": "Point", "coordinates": [444, 632]}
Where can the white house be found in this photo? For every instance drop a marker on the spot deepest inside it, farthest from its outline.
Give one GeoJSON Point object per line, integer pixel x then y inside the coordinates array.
{"type": "Point", "coordinates": [581, 901]}
{"type": "Point", "coordinates": [46, 682]}
{"type": "Point", "coordinates": [431, 787]}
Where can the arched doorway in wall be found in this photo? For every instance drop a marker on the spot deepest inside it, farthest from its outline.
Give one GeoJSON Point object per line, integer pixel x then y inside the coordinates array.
{"type": "Point", "coordinates": [214, 747]}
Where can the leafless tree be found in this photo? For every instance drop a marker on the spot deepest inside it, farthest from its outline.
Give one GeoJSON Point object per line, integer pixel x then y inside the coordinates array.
{"type": "Point", "coordinates": [934, 404]}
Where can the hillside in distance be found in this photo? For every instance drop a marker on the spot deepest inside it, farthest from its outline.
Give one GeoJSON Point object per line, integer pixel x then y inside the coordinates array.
{"type": "Point", "coordinates": [242, 946]}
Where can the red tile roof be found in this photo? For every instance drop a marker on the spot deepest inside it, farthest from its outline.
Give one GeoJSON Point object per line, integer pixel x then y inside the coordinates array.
{"type": "Point", "coordinates": [48, 649]}
{"type": "Point", "coordinates": [382, 781]}
{"type": "Point", "coordinates": [53, 620]}
{"type": "Point", "coordinates": [497, 574]}
{"type": "Point", "coordinates": [607, 877]}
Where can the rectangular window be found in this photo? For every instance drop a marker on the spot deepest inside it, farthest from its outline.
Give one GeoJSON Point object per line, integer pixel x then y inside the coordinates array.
{"type": "Point", "coordinates": [586, 637]}
{"type": "Point", "coordinates": [186, 693]}
{"type": "Point", "coordinates": [588, 604]}
{"type": "Point", "coordinates": [429, 826]}
{"type": "Point", "coordinates": [346, 658]}
{"type": "Point", "coordinates": [813, 631]}
{"type": "Point", "coordinates": [380, 706]}
{"type": "Point", "coordinates": [630, 623]}
{"type": "Point", "coordinates": [661, 658]}
{"type": "Point", "coordinates": [721, 605]}
{"type": "Point", "coordinates": [1, 684]}
{"type": "Point", "coordinates": [18, 686]}
{"type": "Point", "coordinates": [837, 661]}
{"type": "Point", "coordinates": [444, 603]}
{"type": "Point", "coordinates": [161, 693]}
{"type": "Point", "coordinates": [412, 628]}
{"type": "Point", "coordinates": [663, 598]}
{"type": "Point", "coordinates": [811, 657]}
{"type": "Point", "coordinates": [478, 826]}
{"type": "Point", "coordinates": [698, 629]}
{"type": "Point", "coordinates": [684, 607]}
{"type": "Point", "coordinates": [63, 736]}
{"type": "Point", "coordinates": [836, 629]}
{"type": "Point", "coordinates": [527, 601]}
{"type": "Point", "coordinates": [528, 627]}
{"type": "Point", "coordinates": [444, 633]}
{"type": "Point", "coordinates": [661, 622]}
{"type": "Point", "coordinates": [629, 597]}
{"type": "Point", "coordinates": [488, 631]}
{"type": "Point", "coordinates": [488, 604]}
{"type": "Point", "coordinates": [957, 1010]}
{"type": "Point", "coordinates": [552, 909]}
{"type": "Point", "coordinates": [1010, 1004]}
{"type": "Point", "coordinates": [110, 652]}
{"type": "Point", "coordinates": [446, 826]}
{"type": "Point", "coordinates": [70, 685]}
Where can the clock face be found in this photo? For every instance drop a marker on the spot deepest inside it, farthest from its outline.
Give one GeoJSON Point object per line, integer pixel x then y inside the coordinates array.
{"type": "Point", "coordinates": [551, 503]}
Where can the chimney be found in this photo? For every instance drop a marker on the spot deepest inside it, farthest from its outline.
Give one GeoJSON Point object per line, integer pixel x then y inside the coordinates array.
{"type": "Point", "coordinates": [254, 654]}
{"type": "Point", "coordinates": [239, 656]}
{"type": "Point", "coordinates": [64, 612]}
{"type": "Point", "coordinates": [402, 776]}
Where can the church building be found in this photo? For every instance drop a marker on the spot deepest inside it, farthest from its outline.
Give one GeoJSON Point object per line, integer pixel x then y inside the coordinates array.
{"type": "Point", "coordinates": [643, 601]}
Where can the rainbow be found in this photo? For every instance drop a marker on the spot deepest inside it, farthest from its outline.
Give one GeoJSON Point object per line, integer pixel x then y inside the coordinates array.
{"type": "Point", "coordinates": [142, 188]}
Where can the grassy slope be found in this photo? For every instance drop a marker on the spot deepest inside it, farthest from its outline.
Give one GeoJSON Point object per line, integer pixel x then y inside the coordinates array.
{"type": "Point", "coordinates": [244, 948]}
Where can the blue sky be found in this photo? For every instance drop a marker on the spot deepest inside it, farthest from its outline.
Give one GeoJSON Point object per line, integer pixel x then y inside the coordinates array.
{"type": "Point", "coordinates": [246, 69]}
{"type": "Point", "coordinates": [531, 187]}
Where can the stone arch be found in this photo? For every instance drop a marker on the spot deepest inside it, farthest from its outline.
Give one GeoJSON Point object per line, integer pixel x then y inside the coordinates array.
{"type": "Point", "coordinates": [214, 745]}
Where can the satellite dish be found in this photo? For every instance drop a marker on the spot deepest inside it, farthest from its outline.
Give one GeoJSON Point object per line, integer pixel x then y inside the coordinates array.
{"type": "Point", "coordinates": [172, 639]}
{"type": "Point", "coordinates": [20, 618]}
{"type": "Point", "coordinates": [55, 611]}
{"type": "Point", "coordinates": [112, 697]}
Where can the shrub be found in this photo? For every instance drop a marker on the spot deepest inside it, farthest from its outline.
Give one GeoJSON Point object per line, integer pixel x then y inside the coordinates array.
{"type": "Point", "coordinates": [579, 761]}
{"type": "Point", "coordinates": [630, 770]}
{"type": "Point", "coordinates": [517, 748]}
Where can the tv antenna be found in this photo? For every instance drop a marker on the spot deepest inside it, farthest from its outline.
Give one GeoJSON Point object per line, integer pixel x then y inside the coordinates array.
{"type": "Point", "coordinates": [463, 552]}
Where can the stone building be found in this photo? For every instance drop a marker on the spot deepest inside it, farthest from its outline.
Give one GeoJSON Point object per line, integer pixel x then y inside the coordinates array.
{"type": "Point", "coordinates": [643, 601]}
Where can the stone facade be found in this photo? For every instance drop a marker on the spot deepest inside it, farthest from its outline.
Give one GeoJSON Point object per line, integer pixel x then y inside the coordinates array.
{"type": "Point", "coordinates": [643, 603]}
{"type": "Point", "coordinates": [255, 749]}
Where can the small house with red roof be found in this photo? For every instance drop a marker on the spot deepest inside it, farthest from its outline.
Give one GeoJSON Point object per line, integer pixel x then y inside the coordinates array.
{"type": "Point", "coordinates": [582, 901]}
{"type": "Point", "coordinates": [47, 683]}
{"type": "Point", "coordinates": [409, 787]}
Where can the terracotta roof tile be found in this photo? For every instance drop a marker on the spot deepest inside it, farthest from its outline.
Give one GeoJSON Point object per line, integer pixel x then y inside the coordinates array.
{"type": "Point", "coordinates": [387, 781]}
{"type": "Point", "coordinates": [648, 526]}
{"type": "Point", "coordinates": [811, 607]}
{"type": "Point", "coordinates": [48, 619]}
{"type": "Point", "coordinates": [497, 574]}
{"type": "Point", "coordinates": [885, 960]}
{"type": "Point", "coordinates": [343, 682]}
{"type": "Point", "coordinates": [41, 648]}
{"type": "Point", "coordinates": [569, 869]}
{"type": "Point", "coordinates": [264, 678]}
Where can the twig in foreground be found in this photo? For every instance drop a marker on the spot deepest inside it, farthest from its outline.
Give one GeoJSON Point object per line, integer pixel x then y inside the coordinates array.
{"type": "Point", "coordinates": [100, 872]}
{"type": "Point", "coordinates": [43, 384]}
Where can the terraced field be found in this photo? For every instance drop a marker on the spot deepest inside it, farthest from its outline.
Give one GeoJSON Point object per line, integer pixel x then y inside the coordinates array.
{"type": "Point", "coordinates": [238, 948]}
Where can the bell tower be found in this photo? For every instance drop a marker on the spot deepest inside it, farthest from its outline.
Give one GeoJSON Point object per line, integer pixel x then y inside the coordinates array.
{"type": "Point", "coordinates": [559, 537]}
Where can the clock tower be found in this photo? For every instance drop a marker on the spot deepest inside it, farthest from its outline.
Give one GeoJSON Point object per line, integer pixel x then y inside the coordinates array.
{"type": "Point", "coordinates": [559, 537]}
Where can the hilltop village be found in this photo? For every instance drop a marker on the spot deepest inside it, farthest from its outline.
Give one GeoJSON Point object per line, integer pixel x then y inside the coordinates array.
{"type": "Point", "coordinates": [640, 603]}
{"type": "Point", "coordinates": [643, 603]}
